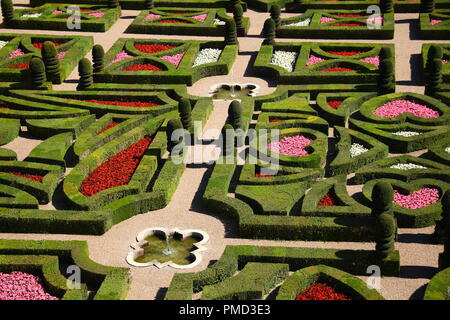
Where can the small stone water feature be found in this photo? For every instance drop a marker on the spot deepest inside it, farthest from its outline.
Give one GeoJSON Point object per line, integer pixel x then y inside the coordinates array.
{"type": "Point", "coordinates": [228, 91]}
{"type": "Point", "coordinates": [174, 248]}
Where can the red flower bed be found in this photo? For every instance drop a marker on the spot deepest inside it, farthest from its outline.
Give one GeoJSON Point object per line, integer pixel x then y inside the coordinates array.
{"type": "Point", "coordinates": [260, 175]}
{"type": "Point", "coordinates": [142, 67]}
{"type": "Point", "coordinates": [134, 104]}
{"type": "Point", "coordinates": [173, 21]}
{"type": "Point", "coordinates": [345, 53]}
{"type": "Point", "coordinates": [275, 120]}
{"type": "Point", "coordinates": [337, 69]}
{"type": "Point", "coordinates": [25, 65]}
{"type": "Point", "coordinates": [347, 25]}
{"type": "Point", "coordinates": [153, 48]}
{"type": "Point", "coordinates": [335, 103]}
{"type": "Point", "coordinates": [327, 200]}
{"type": "Point", "coordinates": [109, 126]}
{"type": "Point", "coordinates": [34, 177]}
{"type": "Point", "coordinates": [117, 170]}
{"type": "Point", "coordinates": [320, 291]}
{"type": "Point", "coordinates": [349, 15]}
{"type": "Point", "coordinates": [5, 108]}
{"type": "Point", "coordinates": [38, 45]}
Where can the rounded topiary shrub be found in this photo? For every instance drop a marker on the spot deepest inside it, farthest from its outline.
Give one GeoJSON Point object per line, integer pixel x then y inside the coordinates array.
{"type": "Point", "coordinates": [238, 13]}
{"type": "Point", "coordinates": [85, 72]}
{"type": "Point", "coordinates": [434, 76]}
{"type": "Point", "coordinates": [235, 114]}
{"type": "Point", "coordinates": [7, 10]}
{"type": "Point", "coordinates": [228, 136]}
{"type": "Point", "coordinates": [269, 32]}
{"type": "Point", "coordinates": [230, 32]}
{"type": "Point", "coordinates": [113, 3]}
{"type": "Point", "coordinates": [387, 6]}
{"type": "Point", "coordinates": [386, 77]}
{"type": "Point", "coordinates": [382, 197]}
{"type": "Point", "coordinates": [149, 4]}
{"type": "Point", "coordinates": [177, 140]}
{"type": "Point", "coordinates": [185, 111]}
{"type": "Point", "coordinates": [37, 69]}
{"type": "Point", "coordinates": [51, 61]}
{"type": "Point", "coordinates": [427, 6]}
{"type": "Point", "coordinates": [98, 55]}
{"type": "Point", "coordinates": [275, 14]}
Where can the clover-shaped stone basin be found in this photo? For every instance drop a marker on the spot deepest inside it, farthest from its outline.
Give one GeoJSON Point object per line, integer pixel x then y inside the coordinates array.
{"type": "Point", "coordinates": [226, 91]}
{"type": "Point", "coordinates": [175, 248]}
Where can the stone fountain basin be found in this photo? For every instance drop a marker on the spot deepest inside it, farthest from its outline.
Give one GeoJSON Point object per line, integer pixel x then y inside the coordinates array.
{"type": "Point", "coordinates": [138, 247]}
{"type": "Point", "coordinates": [251, 87]}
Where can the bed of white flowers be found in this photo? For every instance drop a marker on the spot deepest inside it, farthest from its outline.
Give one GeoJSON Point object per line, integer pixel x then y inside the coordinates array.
{"type": "Point", "coordinates": [3, 43]}
{"type": "Point", "coordinates": [284, 59]}
{"type": "Point", "coordinates": [31, 15]}
{"type": "Point", "coordinates": [357, 149]}
{"type": "Point", "coordinates": [218, 22]}
{"type": "Point", "coordinates": [407, 166]}
{"type": "Point", "coordinates": [406, 133]}
{"type": "Point", "coordinates": [447, 149]}
{"type": "Point", "coordinates": [303, 23]}
{"type": "Point", "coordinates": [207, 55]}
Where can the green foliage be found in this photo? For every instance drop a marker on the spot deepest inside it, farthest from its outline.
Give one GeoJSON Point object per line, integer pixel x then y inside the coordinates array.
{"type": "Point", "coordinates": [385, 231]}
{"type": "Point", "coordinates": [235, 114]}
{"type": "Point", "coordinates": [9, 130]}
{"type": "Point", "coordinates": [434, 82]}
{"type": "Point", "coordinates": [238, 13]}
{"type": "Point", "coordinates": [51, 61]}
{"type": "Point", "coordinates": [37, 68]}
{"type": "Point", "coordinates": [269, 32]}
{"type": "Point", "coordinates": [231, 32]}
{"type": "Point", "coordinates": [85, 72]}
{"type": "Point", "coordinates": [382, 197]}
{"type": "Point", "coordinates": [437, 288]}
{"type": "Point", "coordinates": [113, 3]}
{"type": "Point", "coordinates": [386, 78]}
{"type": "Point", "coordinates": [149, 4]}
{"type": "Point", "coordinates": [7, 10]}
{"type": "Point", "coordinates": [387, 6]}
{"type": "Point", "coordinates": [185, 111]}
{"type": "Point", "coordinates": [98, 54]}
{"type": "Point", "coordinates": [427, 6]}
{"type": "Point", "coordinates": [444, 257]}
{"type": "Point", "coordinates": [275, 14]}
{"type": "Point", "coordinates": [173, 126]}
{"type": "Point", "coordinates": [228, 136]}
{"type": "Point", "coordinates": [385, 53]}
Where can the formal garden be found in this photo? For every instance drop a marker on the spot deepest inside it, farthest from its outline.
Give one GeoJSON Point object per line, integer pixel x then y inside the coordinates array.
{"type": "Point", "coordinates": [225, 150]}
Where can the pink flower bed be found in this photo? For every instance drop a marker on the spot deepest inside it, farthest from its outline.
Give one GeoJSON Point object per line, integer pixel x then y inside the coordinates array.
{"type": "Point", "coordinates": [372, 60]}
{"type": "Point", "coordinates": [22, 286]}
{"type": "Point", "coordinates": [175, 59]}
{"type": "Point", "coordinates": [417, 199]}
{"type": "Point", "coordinates": [291, 146]}
{"type": "Point", "coordinates": [375, 20]}
{"type": "Point", "coordinates": [16, 53]}
{"type": "Point", "coordinates": [313, 60]}
{"type": "Point", "coordinates": [444, 61]}
{"type": "Point", "coordinates": [152, 16]}
{"type": "Point", "coordinates": [326, 19]}
{"type": "Point", "coordinates": [120, 56]}
{"type": "Point", "coordinates": [397, 107]}
{"type": "Point", "coordinates": [435, 21]}
{"type": "Point", "coordinates": [62, 54]}
{"type": "Point", "coordinates": [200, 17]}
{"type": "Point", "coordinates": [97, 14]}
{"type": "Point", "coordinates": [57, 12]}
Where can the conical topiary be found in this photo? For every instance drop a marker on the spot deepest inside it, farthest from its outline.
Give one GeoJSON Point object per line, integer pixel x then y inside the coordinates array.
{"type": "Point", "coordinates": [113, 3]}
{"type": "Point", "coordinates": [173, 125]}
{"type": "Point", "coordinates": [85, 72]}
{"type": "Point", "coordinates": [7, 10]}
{"type": "Point", "coordinates": [427, 6]}
{"type": "Point", "coordinates": [228, 136]}
{"type": "Point", "coordinates": [434, 52]}
{"type": "Point", "coordinates": [386, 77]}
{"type": "Point", "coordinates": [387, 6]}
{"type": "Point", "coordinates": [98, 55]}
{"type": "Point", "coordinates": [185, 111]}
{"type": "Point", "coordinates": [238, 14]}
{"type": "Point", "coordinates": [434, 75]}
{"type": "Point", "coordinates": [149, 4]}
{"type": "Point", "coordinates": [235, 114]}
{"type": "Point", "coordinates": [51, 62]}
{"type": "Point", "coordinates": [269, 32]}
{"type": "Point", "coordinates": [444, 257]}
{"type": "Point", "coordinates": [275, 14]}
{"type": "Point", "coordinates": [385, 231]}
{"type": "Point", "coordinates": [382, 197]}
{"type": "Point", "coordinates": [37, 69]}
{"type": "Point", "coordinates": [230, 32]}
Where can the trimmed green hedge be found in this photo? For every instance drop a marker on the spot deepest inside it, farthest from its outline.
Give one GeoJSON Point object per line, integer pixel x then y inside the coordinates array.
{"type": "Point", "coordinates": [49, 21]}
{"type": "Point", "coordinates": [350, 285]}
{"type": "Point", "coordinates": [437, 288]}
{"type": "Point", "coordinates": [326, 30]}
{"type": "Point", "coordinates": [235, 258]}
{"type": "Point", "coordinates": [437, 31]}
{"type": "Point", "coordinates": [76, 46]}
{"type": "Point", "coordinates": [192, 27]}
{"type": "Point", "coordinates": [108, 283]}
{"type": "Point", "coordinates": [170, 74]}
{"type": "Point", "coordinates": [9, 130]}
{"type": "Point", "coordinates": [44, 129]}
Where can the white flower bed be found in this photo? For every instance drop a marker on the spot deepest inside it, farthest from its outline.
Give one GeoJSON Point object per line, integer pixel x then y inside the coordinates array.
{"type": "Point", "coordinates": [303, 23]}
{"type": "Point", "coordinates": [284, 59]}
{"type": "Point", "coordinates": [207, 55]}
{"type": "Point", "coordinates": [407, 166]}
{"type": "Point", "coordinates": [218, 22]}
{"type": "Point", "coordinates": [31, 15]}
{"type": "Point", "coordinates": [357, 149]}
{"type": "Point", "coordinates": [3, 43]}
{"type": "Point", "coordinates": [406, 133]}
{"type": "Point", "coordinates": [447, 149]}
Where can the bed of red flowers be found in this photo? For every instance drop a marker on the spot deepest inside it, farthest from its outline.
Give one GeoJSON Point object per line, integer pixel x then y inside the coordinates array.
{"type": "Point", "coordinates": [173, 21]}
{"type": "Point", "coordinates": [327, 200]}
{"type": "Point", "coordinates": [153, 48]}
{"type": "Point", "coordinates": [25, 65]}
{"type": "Point", "coordinates": [109, 126]}
{"type": "Point", "coordinates": [38, 45]}
{"type": "Point", "coordinates": [321, 291]}
{"type": "Point", "coordinates": [275, 120]}
{"type": "Point", "coordinates": [34, 177]}
{"type": "Point", "coordinates": [346, 15]}
{"type": "Point", "coordinates": [142, 67]}
{"type": "Point", "coordinates": [345, 53]}
{"type": "Point", "coordinates": [117, 170]}
{"type": "Point", "coordinates": [133, 104]}
{"type": "Point", "coordinates": [260, 175]}
{"type": "Point", "coordinates": [347, 25]}
{"type": "Point", "coordinates": [5, 108]}
{"type": "Point", "coordinates": [337, 69]}
{"type": "Point", "coordinates": [335, 103]}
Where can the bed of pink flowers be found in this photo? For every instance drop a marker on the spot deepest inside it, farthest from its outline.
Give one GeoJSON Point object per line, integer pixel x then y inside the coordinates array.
{"type": "Point", "coordinates": [326, 19]}
{"type": "Point", "coordinates": [291, 146]}
{"type": "Point", "coordinates": [435, 21]}
{"type": "Point", "coordinates": [152, 16]}
{"type": "Point", "coordinates": [120, 56]}
{"type": "Point", "coordinates": [16, 53]}
{"type": "Point", "coordinates": [200, 17]}
{"type": "Point", "coordinates": [22, 286]}
{"type": "Point", "coordinates": [417, 199]}
{"type": "Point", "coordinates": [397, 107]}
{"type": "Point", "coordinates": [175, 59]}
{"type": "Point", "coordinates": [314, 59]}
